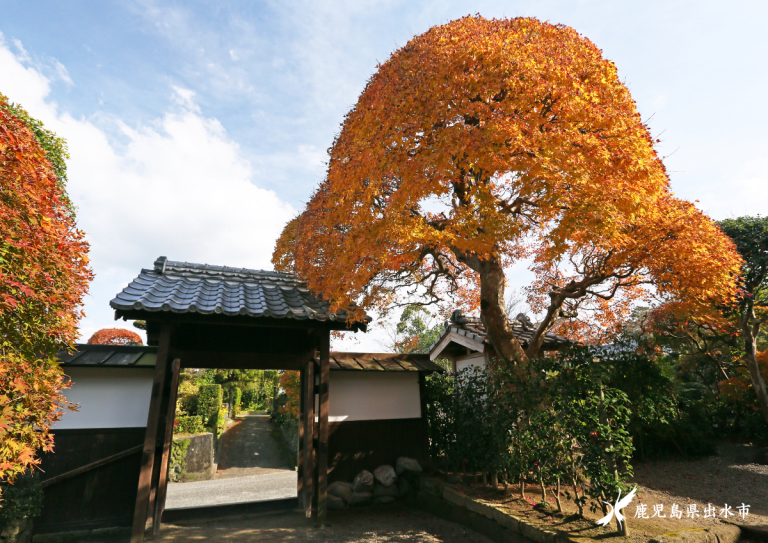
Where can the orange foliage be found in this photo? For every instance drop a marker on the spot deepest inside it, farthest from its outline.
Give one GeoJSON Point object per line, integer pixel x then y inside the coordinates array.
{"type": "Point", "coordinates": [484, 142]}
{"type": "Point", "coordinates": [43, 258]}
{"type": "Point", "coordinates": [737, 387]}
{"type": "Point", "coordinates": [289, 381]}
{"type": "Point", "coordinates": [43, 277]}
{"type": "Point", "coordinates": [115, 336]}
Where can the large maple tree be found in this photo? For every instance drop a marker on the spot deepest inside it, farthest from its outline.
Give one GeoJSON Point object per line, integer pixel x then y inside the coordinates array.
{"type": "Point", "coordinates": [43, 276]}
{"type": "Point", "coordinates": [483, 143]}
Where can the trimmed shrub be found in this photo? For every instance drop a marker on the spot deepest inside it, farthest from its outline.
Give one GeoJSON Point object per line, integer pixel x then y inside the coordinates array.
{"type": "Point", "coordinates": [218, 423]}
{"type": "Point", "coordinates": [237, 397]}
{"type": "Point", "coordinates": [209, 400]}
{"type": "Point", "coordinates": [189, 425]}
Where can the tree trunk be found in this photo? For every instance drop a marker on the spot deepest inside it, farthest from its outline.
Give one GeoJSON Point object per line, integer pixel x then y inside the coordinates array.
{"type": "Point", "coordinates": [750, 324]}
{"type": "Point", "coordinates": [623, 526]}
{"type": "Point", "coordinates": [493, 312]}
{"type": "Point", "coordinates": [557, 497]}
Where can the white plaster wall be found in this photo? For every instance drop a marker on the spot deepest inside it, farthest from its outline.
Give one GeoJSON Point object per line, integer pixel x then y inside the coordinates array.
{"type": "Point", "coordinates": [357, 395]}
{"type": "Point", "coordinates": [108, 397]}
{"type": "Point", "coordinates": [477, 361]}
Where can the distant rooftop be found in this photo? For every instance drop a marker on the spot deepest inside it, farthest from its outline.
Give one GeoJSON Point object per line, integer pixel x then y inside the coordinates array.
{"type": "Point", "coordinates": [472, 328]}
{"type": "Point", "coordinates": [182, 287]}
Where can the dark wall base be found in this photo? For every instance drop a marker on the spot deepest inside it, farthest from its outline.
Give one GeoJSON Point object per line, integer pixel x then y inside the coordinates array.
{"type": "Point", "coordinates": [367, 444]}
{"type": "Point", "coordinates": [103, 497]}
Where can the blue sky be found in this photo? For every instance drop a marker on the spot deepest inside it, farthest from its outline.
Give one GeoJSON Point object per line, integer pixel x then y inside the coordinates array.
{"type": "Point", "coordinates": [197, 129]}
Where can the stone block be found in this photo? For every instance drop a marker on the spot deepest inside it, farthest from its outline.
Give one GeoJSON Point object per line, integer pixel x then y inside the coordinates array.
{"type": "Point", "coordinates": [432, 486]}
{"type": "Point", "coordinates": [533, 533]}
{"type": "Point", "coordinates": [454, 497]}
{"type": "Point", "coordinates": [506, 520]}
{"type": "Point", "coordinates": [480, 508]}
{"type": "Point", "coordinates": [117, 531]}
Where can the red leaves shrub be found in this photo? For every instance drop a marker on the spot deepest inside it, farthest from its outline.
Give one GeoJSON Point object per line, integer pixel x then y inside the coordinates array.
{"type": "Point", "coordinates": [115, 336]}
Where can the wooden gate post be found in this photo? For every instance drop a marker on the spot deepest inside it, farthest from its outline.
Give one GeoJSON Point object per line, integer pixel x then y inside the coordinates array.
{"type": "Point", "coordinates": [300, 452]}
{"type": "Point", "coordinates": [308, 426]}
{"type": "Point", "coordinates": [150, 437]}
{"type": "Point", "coordinates": [322, 438]}
{"type": "Point", "coordinates": [170, 415]}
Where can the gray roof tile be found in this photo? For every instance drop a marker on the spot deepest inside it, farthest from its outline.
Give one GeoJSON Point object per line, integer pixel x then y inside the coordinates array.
{"type": "Point", "coordinates": [181, 287]}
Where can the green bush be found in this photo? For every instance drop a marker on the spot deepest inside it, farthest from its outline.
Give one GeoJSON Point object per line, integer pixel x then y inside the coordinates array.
{"type": "Point", "coordinates": [189, 425]}
{"type": "Point", "coordinates": [20, 500]}
{"type": "Point", "coordinates": [237, 397]}
{"type": "Point", "coordinates": [218, 423]}
{"type": "Point", "coordinates": [186, 399]}
{"type": "Point", "coordinates": [209, 400]}
{"type": "Point", "coordinates": [556, 422]}
{"type": "Point", "coordinates": [178, 465]}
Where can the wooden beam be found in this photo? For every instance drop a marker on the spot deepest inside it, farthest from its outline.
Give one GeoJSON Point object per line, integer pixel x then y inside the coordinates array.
{"type": "Point", "coordinates": [92, 465]}
{"type": "Point", "coordinates": [238, 320]}
{"type": "Point", "coordinates": [322, 438]}
{"type": "Point", "coordinates": [453, 337]}
{"type": "Point", "coordinates": [308, 426]}
{"type": "Point", "coordinates": [150, 437]}
{"type": "Point", "coordinates": [242, 360]}
{"type": "Point", "coordinates": [170, 415]}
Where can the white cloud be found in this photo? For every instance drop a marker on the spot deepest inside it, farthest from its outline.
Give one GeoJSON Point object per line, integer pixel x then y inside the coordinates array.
{"type": "Point", "coordinates": [178, 187]}
{"type": "Point", "coordinates": [23, 55]}
{"type": "Point", "coordinates": [62, 72]}
{"type": "Point", "coordinates": [185, 98]}
{"type": "Point", "coordinates": [233, 55]}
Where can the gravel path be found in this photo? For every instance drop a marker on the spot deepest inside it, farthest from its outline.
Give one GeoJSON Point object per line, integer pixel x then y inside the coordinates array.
{"type": "Point", "coordinates": [250, 447]}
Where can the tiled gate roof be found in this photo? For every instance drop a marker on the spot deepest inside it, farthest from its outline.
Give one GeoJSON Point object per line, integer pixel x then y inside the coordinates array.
{"type": "Point", "coordinates": [182, 287]}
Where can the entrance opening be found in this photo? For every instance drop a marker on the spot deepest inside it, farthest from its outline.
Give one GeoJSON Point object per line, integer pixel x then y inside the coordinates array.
{"type": "Point", "coordinates": [246, 451]}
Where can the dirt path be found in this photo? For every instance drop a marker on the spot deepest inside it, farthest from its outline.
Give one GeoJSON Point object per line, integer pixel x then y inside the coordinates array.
{"type": "Point", "coordinates": [249, 447]}
{"type": "Point", "coordinates": [385, 524]}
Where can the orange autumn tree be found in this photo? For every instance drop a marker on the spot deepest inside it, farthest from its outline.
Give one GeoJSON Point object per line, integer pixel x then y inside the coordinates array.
{"type": "Point", "coordinates": [290, 383]}
{"type": "Point", "coordinates": [115, 336]}
{"type": "Point", "coordinates": [483, 143]}
{"type": "Point", "coordinates": [43, 277]}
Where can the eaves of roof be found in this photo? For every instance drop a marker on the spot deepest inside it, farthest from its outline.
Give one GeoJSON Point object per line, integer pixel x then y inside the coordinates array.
{"type": "Point", "coordinates": [129, 356]}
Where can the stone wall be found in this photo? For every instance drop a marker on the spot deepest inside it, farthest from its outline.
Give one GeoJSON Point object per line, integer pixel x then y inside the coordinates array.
{"type": "Point", "coordinates": [192, 458]}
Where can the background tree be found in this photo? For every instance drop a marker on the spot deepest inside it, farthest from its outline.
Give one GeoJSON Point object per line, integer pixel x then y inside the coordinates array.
{"type": "Point", "coordinates": [750, 234]}
{"type": "Point", "coordinates": [43, 277]}
{"type": "Point", "coordinates": [415, 332]}
{"type": "Point", "coordinates": [485, 142]}
{"type": "Point", "coordinates": [115, 336]}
